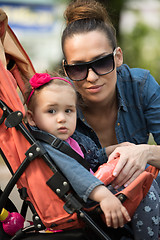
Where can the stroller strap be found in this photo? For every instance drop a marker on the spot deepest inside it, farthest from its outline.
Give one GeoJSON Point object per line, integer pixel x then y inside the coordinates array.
{"type": "Point", "coordinates": [59, 145]}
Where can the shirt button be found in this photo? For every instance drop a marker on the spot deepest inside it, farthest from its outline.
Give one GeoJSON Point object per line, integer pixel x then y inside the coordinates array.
{"type": "Point", "coordinates": [118, 124]}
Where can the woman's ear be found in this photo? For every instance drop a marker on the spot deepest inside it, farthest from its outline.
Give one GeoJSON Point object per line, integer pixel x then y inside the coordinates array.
{"type": "Point", "coordinates": [30, 119]}
{"type": "Point", "coordinates": [118, 57]}
{"type": "Point", "coordinates": [63, 62]}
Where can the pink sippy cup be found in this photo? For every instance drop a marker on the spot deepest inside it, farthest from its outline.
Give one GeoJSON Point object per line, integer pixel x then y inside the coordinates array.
{"type": "Point", "coordinates": [11, 222]}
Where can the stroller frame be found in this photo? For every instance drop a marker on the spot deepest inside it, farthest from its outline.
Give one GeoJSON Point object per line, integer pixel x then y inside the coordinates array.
{"type": "Point", "coordinates": [60, 184]}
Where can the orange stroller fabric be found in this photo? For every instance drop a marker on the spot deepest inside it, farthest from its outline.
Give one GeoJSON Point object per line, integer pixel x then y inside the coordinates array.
{"type": "Point", "coordinates": [13, 144]}
{"type": "Point", "coordinates": [136, 191]}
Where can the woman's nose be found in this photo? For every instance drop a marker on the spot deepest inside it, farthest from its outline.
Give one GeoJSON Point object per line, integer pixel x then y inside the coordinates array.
{"type": "Point", "coordinates": [92, 76]}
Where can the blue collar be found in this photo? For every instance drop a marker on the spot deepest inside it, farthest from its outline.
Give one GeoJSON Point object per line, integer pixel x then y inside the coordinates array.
{"type": "Point", "coordinates": [120, 91]}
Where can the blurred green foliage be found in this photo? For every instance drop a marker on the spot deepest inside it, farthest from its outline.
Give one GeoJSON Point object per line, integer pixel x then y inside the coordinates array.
{"type": "Point", "coordinates": [141, 48]}
{"type": "Point", "coordinates": [60, 1]}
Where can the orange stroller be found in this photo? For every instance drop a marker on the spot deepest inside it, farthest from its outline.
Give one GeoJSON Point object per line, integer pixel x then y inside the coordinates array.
{"type": "Point", "coordinates": [18, 149]}
{"type": "Point", "coordinates": [42, 186]}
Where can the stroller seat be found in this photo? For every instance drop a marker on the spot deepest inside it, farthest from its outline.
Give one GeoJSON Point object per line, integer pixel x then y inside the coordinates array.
{"type": "Point", "coordinates": [17, 147]}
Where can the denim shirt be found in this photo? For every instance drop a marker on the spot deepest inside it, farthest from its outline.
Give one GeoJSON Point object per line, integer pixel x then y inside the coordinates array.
{"type": "Point", "coordinates": [138, 114]}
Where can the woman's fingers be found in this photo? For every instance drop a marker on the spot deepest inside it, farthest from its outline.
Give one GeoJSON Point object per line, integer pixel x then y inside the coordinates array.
{"type": "Point", "coordinates": [128, 174]}
{"type": "Point", "coordinates": [131, 163]}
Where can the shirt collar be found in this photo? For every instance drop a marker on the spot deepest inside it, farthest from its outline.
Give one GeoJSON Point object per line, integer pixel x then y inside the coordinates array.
{"type": "Point", "coordinates": [120, 92]}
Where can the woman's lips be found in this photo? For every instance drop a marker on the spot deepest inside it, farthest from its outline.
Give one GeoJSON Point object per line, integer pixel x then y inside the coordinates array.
{"type": "Point", "coordinates": [95, 89]}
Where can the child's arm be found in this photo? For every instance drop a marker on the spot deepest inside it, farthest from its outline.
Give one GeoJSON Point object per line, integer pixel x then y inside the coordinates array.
{"type": "Point", "coordinates": [87, 186]}
{"type": "Point", "coordinates": [115, 213]}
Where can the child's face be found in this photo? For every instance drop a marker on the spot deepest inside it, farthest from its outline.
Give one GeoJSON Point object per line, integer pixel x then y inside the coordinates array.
{"type": "Point", "coordinates": [55, 110]}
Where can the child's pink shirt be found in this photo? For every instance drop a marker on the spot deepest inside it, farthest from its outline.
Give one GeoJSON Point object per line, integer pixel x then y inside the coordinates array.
{"type": "Point", "coordinates": [75, 146]}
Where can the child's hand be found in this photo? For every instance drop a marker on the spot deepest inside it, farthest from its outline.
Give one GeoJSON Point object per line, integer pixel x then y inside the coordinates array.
{"type": "Point", "coordinates": [115, 213]}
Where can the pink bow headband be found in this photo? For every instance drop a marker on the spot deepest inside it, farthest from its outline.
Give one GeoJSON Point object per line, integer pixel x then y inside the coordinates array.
{"type": "Point", "coordinates": [39, 79]}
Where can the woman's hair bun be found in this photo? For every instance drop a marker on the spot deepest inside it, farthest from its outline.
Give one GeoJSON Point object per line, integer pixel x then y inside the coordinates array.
{"type": "Point", "coordinates": [84, 9]}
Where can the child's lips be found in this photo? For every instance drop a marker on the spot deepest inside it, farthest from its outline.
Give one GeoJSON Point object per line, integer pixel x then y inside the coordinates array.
{"type": "Point", "coordinates": [63, 130]}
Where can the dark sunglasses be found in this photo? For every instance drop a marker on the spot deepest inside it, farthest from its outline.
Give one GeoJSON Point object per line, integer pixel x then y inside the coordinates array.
{"type": "Point", "coordinates": [100, 66]}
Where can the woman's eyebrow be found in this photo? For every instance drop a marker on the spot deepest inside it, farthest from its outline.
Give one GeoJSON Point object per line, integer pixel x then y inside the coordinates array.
{"type": "Point", "coordinates": [73, 62]}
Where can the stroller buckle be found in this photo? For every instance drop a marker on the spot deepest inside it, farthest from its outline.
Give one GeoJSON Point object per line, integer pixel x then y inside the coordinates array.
{"type": "Point", "coordinates": [56, 143]}
{"type": "Point", "coordinates": [14, 119]}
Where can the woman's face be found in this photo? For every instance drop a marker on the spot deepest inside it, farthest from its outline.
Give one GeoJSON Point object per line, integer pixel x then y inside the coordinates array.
{"type": "Point", "coordinates": [86, 47]}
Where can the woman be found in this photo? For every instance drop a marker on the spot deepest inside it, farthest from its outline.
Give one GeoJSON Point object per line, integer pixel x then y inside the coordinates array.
{"type": "Point", "coordinates": [117, 104]}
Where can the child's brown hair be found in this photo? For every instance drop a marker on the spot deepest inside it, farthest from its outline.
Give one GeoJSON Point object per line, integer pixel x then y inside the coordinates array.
{"type": "Point", "coordinates": [30, 98]}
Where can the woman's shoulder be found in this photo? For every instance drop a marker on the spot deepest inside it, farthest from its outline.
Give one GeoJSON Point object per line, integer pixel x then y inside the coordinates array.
{"type": "Point", "coordinates": [135, 77]}
{"type": "Point", "coordinates": [126, 73]}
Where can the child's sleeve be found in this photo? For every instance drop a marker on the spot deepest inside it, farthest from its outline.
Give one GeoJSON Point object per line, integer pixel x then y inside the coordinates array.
{"type": "Point", "coordinates": [82, 181]}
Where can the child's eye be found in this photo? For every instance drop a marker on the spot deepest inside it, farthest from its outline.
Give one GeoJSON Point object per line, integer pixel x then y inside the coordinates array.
{"type": "Point", "coordinates": [68, 110]}
{"type": "Point", "coordinates": [51, 111]}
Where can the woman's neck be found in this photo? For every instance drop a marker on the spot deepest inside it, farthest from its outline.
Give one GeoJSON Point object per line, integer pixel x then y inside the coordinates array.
{"type": "Point", "coordinates": [102, 118]}
{"type": "Point", "coordinates": [99, 108]}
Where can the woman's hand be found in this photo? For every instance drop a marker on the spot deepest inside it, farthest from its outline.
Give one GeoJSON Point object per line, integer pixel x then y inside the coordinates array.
{"type": "Point", "coordinates": [132, 162]}
{"type": "Point", "coordinates": [111, 148]}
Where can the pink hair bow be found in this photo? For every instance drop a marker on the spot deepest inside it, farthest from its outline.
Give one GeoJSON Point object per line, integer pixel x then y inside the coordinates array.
{"type": "Point", "coordinates": [39, 79]}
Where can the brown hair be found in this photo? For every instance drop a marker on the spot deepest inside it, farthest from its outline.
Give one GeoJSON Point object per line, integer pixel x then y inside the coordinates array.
{"type": "Point", "coordinates": [32, 101]}
{"type": "Point", "coordinates": [87, 15]}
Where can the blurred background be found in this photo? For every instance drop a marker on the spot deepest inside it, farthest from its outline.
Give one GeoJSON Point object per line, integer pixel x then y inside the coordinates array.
{"type": "Point", "coordinates": [38, 25]}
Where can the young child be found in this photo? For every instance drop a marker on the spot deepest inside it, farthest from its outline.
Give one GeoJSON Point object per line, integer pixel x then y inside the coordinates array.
{"type": "Point", "coordinates": [51, 103]}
